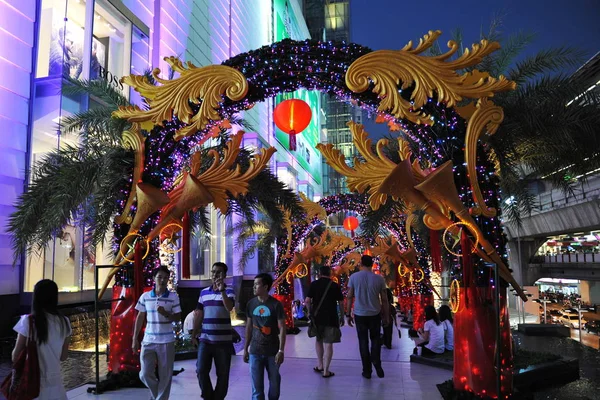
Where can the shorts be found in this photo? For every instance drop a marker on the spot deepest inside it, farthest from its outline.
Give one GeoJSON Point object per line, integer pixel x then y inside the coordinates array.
{"type": "Point", "coordinates": [329, 334]}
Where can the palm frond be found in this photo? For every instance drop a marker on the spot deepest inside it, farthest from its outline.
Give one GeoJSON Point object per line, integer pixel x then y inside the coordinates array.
{"type": "Point", "coordinates": [100, 89]}
{"type": "Point", "coordinates": [62, 183]}
{"type": "Point", "coordinates": [543, 62]}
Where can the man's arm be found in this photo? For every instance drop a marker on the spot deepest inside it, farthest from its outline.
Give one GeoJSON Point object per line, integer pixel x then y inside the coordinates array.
{"type": "Point", "coordinates": [282, 333]}
{"type": "Point", "coordinates": [139, 322]}
{"type": "Point", "coordinates": [349, 299]}
{"type": "Point", "coordinates": [227, 301]}
{"type": "Point", "coordinates": [307, 303]}
{"type": "Point", "coordinates": [198, 318]}
{"type": "Point", "coordinates": [248, 339]}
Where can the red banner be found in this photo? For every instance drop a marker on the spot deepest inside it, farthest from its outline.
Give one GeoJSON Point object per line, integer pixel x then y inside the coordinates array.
{"type": "Point", "coordinates": [435, 251]}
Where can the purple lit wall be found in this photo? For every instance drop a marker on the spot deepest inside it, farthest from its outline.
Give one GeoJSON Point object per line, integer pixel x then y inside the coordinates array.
{"type": "Point", "coordinates": [16, 43]}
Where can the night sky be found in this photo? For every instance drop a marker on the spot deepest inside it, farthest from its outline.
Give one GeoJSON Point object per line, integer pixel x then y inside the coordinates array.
{"type": "Point", "coordinates": [390, 24]}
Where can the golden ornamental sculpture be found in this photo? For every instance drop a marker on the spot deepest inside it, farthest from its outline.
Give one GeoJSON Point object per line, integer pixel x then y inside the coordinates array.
{"type": "Point", "coordinates": [204, 86]}
{"type": "Point", "coordinates": [486, 116]}
{"type": "Point", "coordinates": [210, 186]}
{"type": "Point", "coordinates": [367, 175]}
{"type": "Point", "coordinates": [312, 209]}
{"type": "Point", "coordinates": [439, 187]}
{"type": "Point", "coordinates": [384, 70]}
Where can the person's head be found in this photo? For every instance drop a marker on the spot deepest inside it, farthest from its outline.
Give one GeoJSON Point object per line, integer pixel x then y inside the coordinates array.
{"type": "Point", "coordinates": [366, 261]}
{"type": "Point", "coordinates": [262, 284]}
{"type": "Point", "coordinates": [325, 271]}
{"type": "Point", "coordinates": [161, 277]}
{"type": "Point", "coordinates": [445, 314]}
{"type": "Point", "coordinates": [45, 297]}
{"type": "Point", "coordinates": [431, 314]}
{"type": "Point", "coordinates": [218, 272]}
{"type": "Point", "coordinates": [45, 301]}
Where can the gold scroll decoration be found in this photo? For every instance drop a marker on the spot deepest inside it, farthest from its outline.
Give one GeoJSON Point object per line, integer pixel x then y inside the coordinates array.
{"type": "Point", "coordinates": [205, 86]}
{"type": "Point", "coordinates": [213, 185]}
{"type": "Point", "coordinates": [133, 140]}
{"type": "Point", "coordinates": [366, 175]}
{"type": "Point", "coordinates": [312, 209]}
{"type": "Point", "coordinates": [487, 116]}
{"type": "Point", "coordinates": [386, 69]}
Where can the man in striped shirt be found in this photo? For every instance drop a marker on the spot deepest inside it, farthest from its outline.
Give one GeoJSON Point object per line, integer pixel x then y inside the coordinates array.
{"type": "Point", "coordinates": [159, 308]}
{"type": "Point", "coordinates": [212, 325]}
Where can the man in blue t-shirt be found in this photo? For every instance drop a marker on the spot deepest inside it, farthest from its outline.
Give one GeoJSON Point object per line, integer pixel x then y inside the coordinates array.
{"type": "Point", "coordinates": [265, 338]}
{"type": "Point", "coordinates": [212, 325]}
{"type": "Point", "coordinates": [370, 305]}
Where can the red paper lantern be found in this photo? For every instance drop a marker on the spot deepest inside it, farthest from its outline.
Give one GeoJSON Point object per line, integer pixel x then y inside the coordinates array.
{"type": "Point", "coordinates": [350, 224]}
{"type": "Point", "coordinates": [292, 116]}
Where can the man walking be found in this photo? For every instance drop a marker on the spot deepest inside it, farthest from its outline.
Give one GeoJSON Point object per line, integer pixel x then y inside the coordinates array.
{"type": "Point", "coordinates": [212, 323]}
{"type": "Point", "coordinates": [323, 296]}
{"type": "Point", "coordinates": [160, 308]}
{"type": "Point", "coordinates": [265, 338]}
{"type": "Point", "coordinates": [370, 305]}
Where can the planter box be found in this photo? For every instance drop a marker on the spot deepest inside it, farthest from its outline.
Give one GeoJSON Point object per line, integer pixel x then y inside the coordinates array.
{"type": "Point", "coordinates": [538, 376]}
{"type": "Point", "coordinates": [545, 330]}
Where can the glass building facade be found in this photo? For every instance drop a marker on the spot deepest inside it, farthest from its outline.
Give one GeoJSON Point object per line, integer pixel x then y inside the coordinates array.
{"type": "Point", "coordinates": [46, 40]}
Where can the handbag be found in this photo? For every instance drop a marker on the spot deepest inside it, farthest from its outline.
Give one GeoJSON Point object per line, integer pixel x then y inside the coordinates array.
{"type": "Point", "coordinates": [235, 336]}
{"type": "Point", "coordinates": [23, 382]}
{"type": "Point", "coordinates": [312, 326]}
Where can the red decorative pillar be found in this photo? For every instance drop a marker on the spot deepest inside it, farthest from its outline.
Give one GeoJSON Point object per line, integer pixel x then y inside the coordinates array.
{"type": "Point", "coordinates": [185, 247]}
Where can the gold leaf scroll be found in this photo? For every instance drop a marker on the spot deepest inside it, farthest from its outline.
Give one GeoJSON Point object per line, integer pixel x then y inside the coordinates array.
{"type": "Point", "coordinates": [220, 179]}
{"type": "Point", "coordinates": [385, 69]}
{"type": "Point", "coordinates": [366, 175]}
{"type": "Point", "coordinates": [133, 140]}
{"type": "Point", "coordinates": [312, 209]}
{"type": "Point", "coordinates": [487, 116]}
{"type": "Point", "coordinates": [197, 85]}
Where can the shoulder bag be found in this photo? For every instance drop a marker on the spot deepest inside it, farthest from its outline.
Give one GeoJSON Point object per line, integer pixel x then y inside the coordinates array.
{"type": "Point", "coordinates": [23, 382]}
{"type": "Point", "coordinates": [312, 327]}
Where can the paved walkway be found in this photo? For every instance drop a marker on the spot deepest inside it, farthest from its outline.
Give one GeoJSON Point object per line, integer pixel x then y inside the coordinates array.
{"type": "Point", "coordinates": [403, 380]}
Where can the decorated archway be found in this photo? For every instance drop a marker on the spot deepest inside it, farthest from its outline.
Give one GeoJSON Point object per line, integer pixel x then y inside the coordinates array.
{"type": "Point", "coordinates": [423, 96]}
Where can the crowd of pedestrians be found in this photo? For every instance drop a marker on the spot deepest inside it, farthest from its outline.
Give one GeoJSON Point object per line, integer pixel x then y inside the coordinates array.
{"type": "Point", "coordinates": [368, 306]}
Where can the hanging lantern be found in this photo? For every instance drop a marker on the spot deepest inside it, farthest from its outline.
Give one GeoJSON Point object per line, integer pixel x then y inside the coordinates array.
{"type": "Point", "coordinates": [350, 224]}
{"type": "Point", "coordinates": [292, 116]}
{"type": "Point", "coordinates": [367, 252]}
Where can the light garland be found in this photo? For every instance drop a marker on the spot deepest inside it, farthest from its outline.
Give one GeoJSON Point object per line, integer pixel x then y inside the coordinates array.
{"type": "Point", "coordinates": [455, 295]}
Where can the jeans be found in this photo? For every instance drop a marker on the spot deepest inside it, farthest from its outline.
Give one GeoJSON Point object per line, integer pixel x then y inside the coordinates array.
{"type": "Point", "coordinates": [258, 363]}
{"type": "Point", "coordinates": [369, 327]}
{"type": "Point", "coordinates": [221, 353]}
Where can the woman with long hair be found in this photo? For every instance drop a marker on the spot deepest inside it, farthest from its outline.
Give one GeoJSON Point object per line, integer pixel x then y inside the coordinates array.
{"type": "Point", "coordinates": [431, 336]}
{"type": "Point", "coordinates": [51, 333]}
{"type": "Point", "coordinates": [448, 323]}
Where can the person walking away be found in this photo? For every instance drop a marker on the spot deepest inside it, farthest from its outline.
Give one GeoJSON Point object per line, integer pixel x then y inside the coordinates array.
{"type": "Point", "coordinates": [52, 333]}
{"type": "Point", "coordinates": [159, 308]}
{"type": "Point", "coordinates": [386, 339]}
{"type": "Point", "coordinates": [212, 322]}
{"type": "Point", "coordinates": [448, 323]}
{"type": "Point", "coordinates": [370, 306]}
{"type": "Point", "coordinates": [431, 336]}
{"type": "Point", "coordinates": [325, 295]}
{"type": "Point", "coordinates": [265, 338]}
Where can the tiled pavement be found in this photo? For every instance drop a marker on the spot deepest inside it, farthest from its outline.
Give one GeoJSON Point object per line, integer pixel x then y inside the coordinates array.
{"type": "Point", "coordinates": [403, 380]}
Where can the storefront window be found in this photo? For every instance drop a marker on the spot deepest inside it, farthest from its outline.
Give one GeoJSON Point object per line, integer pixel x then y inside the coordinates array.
{"type": "Point", "coordinates": [140, 60]}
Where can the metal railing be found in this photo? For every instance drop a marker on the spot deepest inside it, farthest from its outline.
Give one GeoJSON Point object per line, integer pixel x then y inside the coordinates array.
{"type": "Point", "coordinates": [553, 199]}
{"type": "Point", "coordinates": [575, 258]}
